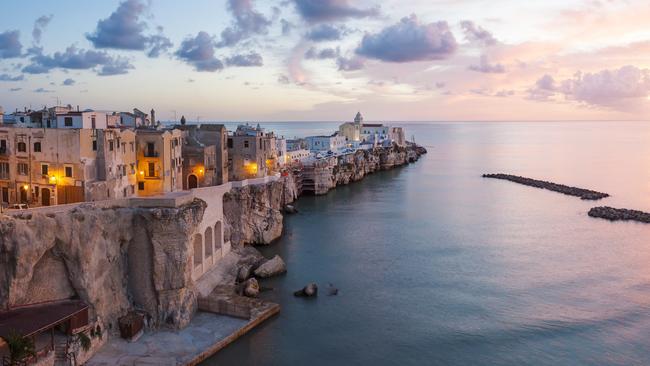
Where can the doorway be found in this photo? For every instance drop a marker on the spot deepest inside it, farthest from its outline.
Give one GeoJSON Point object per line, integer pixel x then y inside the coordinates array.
{"type": "Point", "coordinates": [45, 196]}
{"type": "Point", "coordinates": [192, 181]}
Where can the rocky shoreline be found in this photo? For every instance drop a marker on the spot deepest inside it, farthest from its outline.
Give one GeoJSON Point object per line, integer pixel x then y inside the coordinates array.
{"type": "Point", "coordinates": [584, 194]}
{"type": "Point", "coordinates": [619, 214]}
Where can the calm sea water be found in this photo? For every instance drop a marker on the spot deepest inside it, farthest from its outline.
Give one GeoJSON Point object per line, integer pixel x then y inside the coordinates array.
{"type": "Point", "coordinates": [436, 265]}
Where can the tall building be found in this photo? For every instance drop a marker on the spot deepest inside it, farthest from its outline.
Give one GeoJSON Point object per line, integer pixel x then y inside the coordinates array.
{"type": "Point", "coordinates": [252, 153]}
{"type": "Point", "coordinates": [159, 161]}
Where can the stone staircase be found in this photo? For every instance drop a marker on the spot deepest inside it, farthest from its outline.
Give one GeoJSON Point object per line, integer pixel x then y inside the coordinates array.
{"type": "Point", "coordinates": [61, 353]}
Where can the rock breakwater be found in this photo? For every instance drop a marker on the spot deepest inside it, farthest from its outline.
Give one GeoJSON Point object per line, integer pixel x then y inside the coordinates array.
{"type": "Point", "coordinates": [584, 194]}
{"type": "Point", "coordinates": [619, 214]}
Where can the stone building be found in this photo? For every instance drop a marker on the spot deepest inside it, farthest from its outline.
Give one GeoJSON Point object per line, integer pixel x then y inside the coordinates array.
{"type": "Point", "coordinates": [334, 143]}
{"type": "Point", "coordinates": [43, 167]}
{"type": "Point", "coordinates": [199, 164]}
{"type": "Point", "coordinates": [252, 153]}
{"type": "Point", "coordinates": [207, 135]}
{"type": "Point", "coordinates": [352, 130]}
{"type": "Point", "coordinates": [159, 161]}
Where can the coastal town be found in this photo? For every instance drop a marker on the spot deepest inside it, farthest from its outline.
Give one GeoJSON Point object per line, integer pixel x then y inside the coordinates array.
{"type": "Point", "coordinates": [61, 155]}
{"type": "Point", "coordinates": [118, 230]}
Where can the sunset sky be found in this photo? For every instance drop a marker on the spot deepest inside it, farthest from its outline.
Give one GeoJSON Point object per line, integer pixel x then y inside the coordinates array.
{"type": "Point", "coordinates": [285, 60]}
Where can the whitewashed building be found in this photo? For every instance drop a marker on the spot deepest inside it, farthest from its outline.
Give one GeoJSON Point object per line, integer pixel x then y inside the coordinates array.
{"type": "Point", "coordinates": [334, 143]}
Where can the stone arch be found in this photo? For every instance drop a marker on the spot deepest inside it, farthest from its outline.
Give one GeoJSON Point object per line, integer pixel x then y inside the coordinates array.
{"type": "Point", "coordinates": [198, 250]}
{"type": "Point", "coordinates": [218, 236]}
{"type": "Point", "coordinates": [208, 242]}
{"type": "Point", "coordinates": [192, 181]}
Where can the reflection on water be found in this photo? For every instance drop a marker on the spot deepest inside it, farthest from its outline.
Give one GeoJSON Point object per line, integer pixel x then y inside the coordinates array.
{"type": "Point", "coordinates": [436, 265]}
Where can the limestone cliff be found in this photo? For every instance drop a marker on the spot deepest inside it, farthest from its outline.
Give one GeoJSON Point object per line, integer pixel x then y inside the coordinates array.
{"type": "Point", "coordinates": [115, 259]}
{"type": "Point", "coordinates": [325, 174]}
{"type": "Point", "coordinates": [253, 213]}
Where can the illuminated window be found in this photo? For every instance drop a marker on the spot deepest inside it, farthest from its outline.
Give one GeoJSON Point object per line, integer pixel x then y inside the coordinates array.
{"type": "Point", "coordinates": [68, 172]}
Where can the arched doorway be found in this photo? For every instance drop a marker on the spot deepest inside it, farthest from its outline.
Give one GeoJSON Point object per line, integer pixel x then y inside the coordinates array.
{"type": "Point", "coordinates": [198, 250]}
{"type": "Point", "coordinates": [23, 194]}
{"type": "Point", "coordinates": [192, 181]}
{"type": "Point", "coordinates": [217, 236]}
{"type": "Point", "coordinates": [45, 196]}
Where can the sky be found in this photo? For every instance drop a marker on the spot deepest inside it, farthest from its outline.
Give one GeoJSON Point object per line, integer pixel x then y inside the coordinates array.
{"type": "Point", "coordinates": [324, 60]}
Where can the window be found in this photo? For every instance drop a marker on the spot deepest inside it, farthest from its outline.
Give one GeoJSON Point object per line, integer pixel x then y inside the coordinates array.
{"type": "Point", "coordinates": [23, 168]}
{"type": "Point", "coordinates": [230, 143]}
{"type": "Point", "coordinates": [4, 170]}
{"type": "Point", "coordinates": [140, 186]}
{"type": "Point", "coordinates": [68, 172]}
{"type": "Point", "coordinates": [132, 168]}
{"type": "Point", "coordinates": [37, 147]}
{"type": "Point", "coordinates": [67, 121]}
{"type": "Point", "coordinates": [22, 119]}
{"type": "Point", "coordinates": [22, 147]}
{"type": "Point", "coordinates": [45, 169]}
{"type": "Point", "coordinates": [94, 145]}
{"type": "Point", "coordinates": [123, 169]}
{"type": "Point", "coordinates": [110, 145]}
{"type": "Point", "coordinates": [150, 150]}
{"type": "Point", "coordinates": [152, 170]}
{"type": "Point", "coordinates": [124, 148]}
{"type": "Point", "coordinates": [132, 148]}
{"type": "Point", "coordinates": [93, 123]}
{"type": "Point", "coordinates": [246, 143]}
{"type": "Point", "coordinates": [3, 146]}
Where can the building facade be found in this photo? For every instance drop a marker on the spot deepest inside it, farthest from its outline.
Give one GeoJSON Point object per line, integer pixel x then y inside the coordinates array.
{"type": "Point", "coordinates": [334, 143]}
{"type": "Point", "coordinates": [159, 161]}
{"type": "Point", "coordinates": [251, 153]}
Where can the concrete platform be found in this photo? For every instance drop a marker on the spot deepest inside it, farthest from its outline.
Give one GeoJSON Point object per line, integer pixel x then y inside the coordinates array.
{"type": "Point", "coordinates": [206, 335]}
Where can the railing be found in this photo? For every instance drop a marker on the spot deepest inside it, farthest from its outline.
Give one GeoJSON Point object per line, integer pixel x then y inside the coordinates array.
{"type": "Point", "coordinates": [151, 154]}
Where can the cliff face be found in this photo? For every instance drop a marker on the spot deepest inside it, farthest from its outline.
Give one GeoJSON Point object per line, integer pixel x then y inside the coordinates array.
{"type": "Point", "coordinates": [116, 260]}
{"type": "Point", "coordinates": [326, 174]}
{"type": "Point", "coordinates": [253, 213]}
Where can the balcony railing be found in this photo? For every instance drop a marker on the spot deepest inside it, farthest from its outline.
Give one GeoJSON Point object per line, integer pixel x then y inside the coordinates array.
{"type": "Point", "coordinates": [151, 154]}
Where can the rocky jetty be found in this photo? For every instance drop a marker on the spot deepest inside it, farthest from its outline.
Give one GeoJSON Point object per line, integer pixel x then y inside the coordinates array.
{"type": "Point", "coordinates": [584, 194]}
{"type": "Point", "coordinates": [619, 214]}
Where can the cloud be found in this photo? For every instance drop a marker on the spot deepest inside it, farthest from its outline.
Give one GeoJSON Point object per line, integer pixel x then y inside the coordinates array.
{"type": "Point", "coordinates": [625, 88]}
{"type": "Point", "coordinates": [486, 67]}
{"type": "Point", "coordinates": [287, 27]}
{"type": "Point", "coordinates": [251, 59]}
{"type": "Point", "coordinates": [474, 33]}
{"type": "Point", "coordinates": [247, 22]}
{"type": "Point", "coordinates": [158, 44]}
{"type": "Point", "coordinates": [118, 66]}
{"type": "Point", "coordinates": [7, 77]}
{"type": "Point", "coordinates": [15, 89]}
{"type": "Point", "coordinates": [42, 90]}
{"type": "Point", "coordinates": [331, 10]}
{"type": "Point", "coordinates": [350, 64]}
{"type": "Point", "coordinates": [324, 32]}
{"type": "Point", "coordinates": [409, 40]}
{"type": "Point", "coordinates": [76, 59]}
{"type": "Point", "coordinates": [10, 45]}
{"type": "Point", "coordinates": [283, 79]}
{"type": "Point", "coordinates": [199, 52]}
{"type": "Point", "coordinates": [68, 82]}
{"type": "Point", "coordinates": [39, 27]}
{"type": "Point", "coordinates": [324, 54]}
{"type": "Point", "coordinates": [124, 30]}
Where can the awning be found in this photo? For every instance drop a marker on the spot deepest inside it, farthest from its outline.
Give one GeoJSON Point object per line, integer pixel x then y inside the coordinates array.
{"type": "Point", "coordinates": [33, 319]}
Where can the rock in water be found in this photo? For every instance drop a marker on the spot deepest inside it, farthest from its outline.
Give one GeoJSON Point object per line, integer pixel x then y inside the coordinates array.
{"type": "Point", "coordinates": [332, 291]}
{"type": "Point", "coordinates": [311, 290]}
{"type": "Point", "coordinates": [272, 267]}
{"type": "Point", "coordinates": [290, 209]}
{"type": "Point", "coordinates": [244, 272]}
{"type": "Point", "coordinates": [251, 288]}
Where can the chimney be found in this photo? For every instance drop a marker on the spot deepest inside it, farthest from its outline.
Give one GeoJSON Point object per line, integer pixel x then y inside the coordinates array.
{"type": "Point", "coordinates": [77, 107]}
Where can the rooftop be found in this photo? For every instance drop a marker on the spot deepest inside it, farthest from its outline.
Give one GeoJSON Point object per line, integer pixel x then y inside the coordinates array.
{"type": "Point", "coordinates": [33, 319]}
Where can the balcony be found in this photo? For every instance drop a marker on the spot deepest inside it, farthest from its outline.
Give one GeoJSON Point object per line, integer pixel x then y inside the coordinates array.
{"type": "Point", "coordinates": [3, 150]}
{"type": "Point", "coordinates": [151, 154]}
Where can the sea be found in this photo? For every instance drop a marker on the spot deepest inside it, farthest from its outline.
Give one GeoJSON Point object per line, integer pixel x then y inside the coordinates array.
{"type": "Point", "coordinates": [436, 265]}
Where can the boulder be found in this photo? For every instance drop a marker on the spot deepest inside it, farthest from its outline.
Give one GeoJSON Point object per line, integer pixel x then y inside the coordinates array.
{"type": "Point", "coordinates": [251, 288]}
{"type": "Point", "coordinates": [272, 267]}
{"type": "Point", "coordinates": [290, 209]}
{"type": "Point", "coordinates": [244, 272]}
{"type": "Point", "coordinates": [311, 290]}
